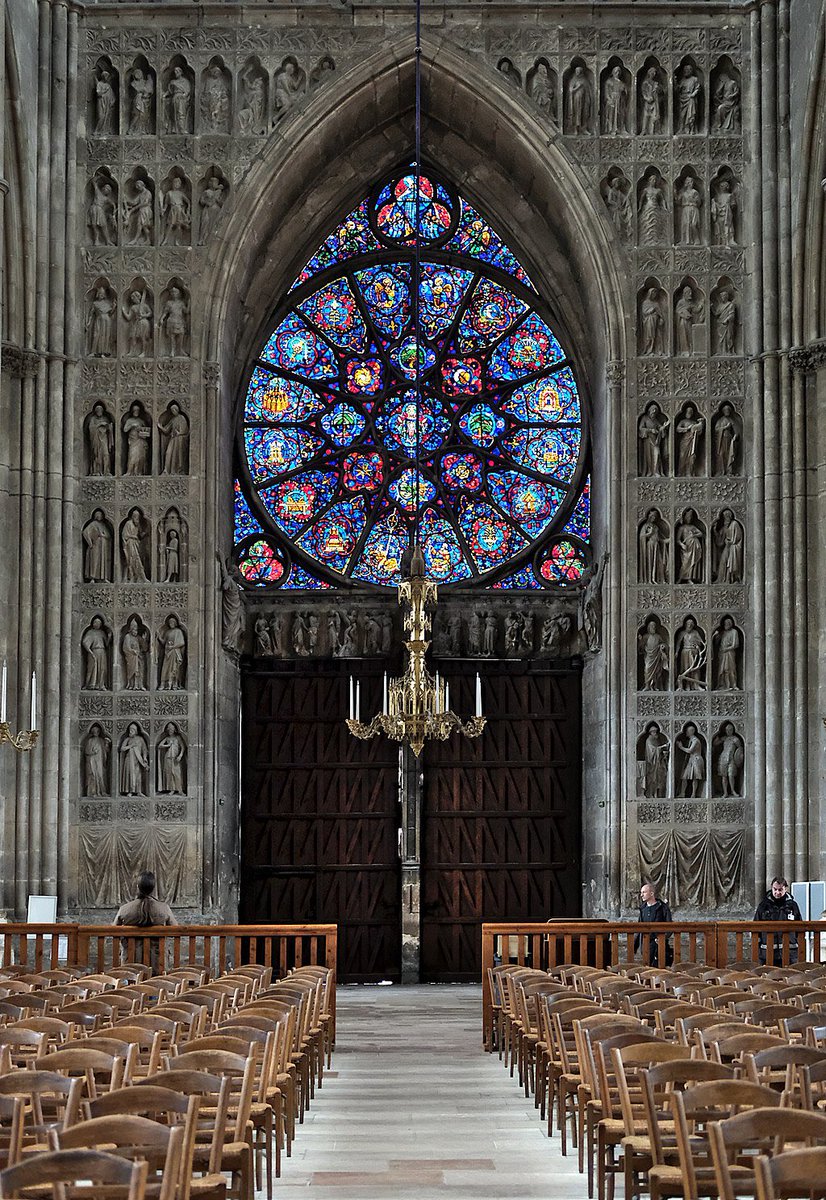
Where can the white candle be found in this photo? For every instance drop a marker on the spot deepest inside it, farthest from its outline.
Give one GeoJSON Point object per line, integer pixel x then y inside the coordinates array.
{"type": "Point", "coordinates": [438, 694]}
{"type": "Point", "coordinates": [358, 700]}
{"type": "Point", "coordinates": [447, 696]}
{"type": "Point", "coordinates": [3, 692]}
{"type": "Point", "coordinates": [33, 724]}
{"type": "Point", "coordinates": [478, 695]}
{"type": "Point", "coordinates": [384, 694]}
{"type": "Point", "coordinates": [351, 710]}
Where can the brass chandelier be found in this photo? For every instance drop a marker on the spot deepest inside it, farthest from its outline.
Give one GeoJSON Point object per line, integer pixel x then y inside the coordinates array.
{"type": "Point", "coordinates": [26, 738]}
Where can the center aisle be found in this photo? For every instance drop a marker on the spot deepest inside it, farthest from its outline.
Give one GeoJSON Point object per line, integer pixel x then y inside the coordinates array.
{"type": "Point", "coordinates": [414, 1109]}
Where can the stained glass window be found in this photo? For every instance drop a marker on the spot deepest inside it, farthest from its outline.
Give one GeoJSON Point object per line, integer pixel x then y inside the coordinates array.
{"type": "Point", "coordinates": [377, 411]}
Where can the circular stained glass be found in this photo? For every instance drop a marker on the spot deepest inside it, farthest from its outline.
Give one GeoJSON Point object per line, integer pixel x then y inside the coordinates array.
{"type": "Point", "coordinates": [394, 399]}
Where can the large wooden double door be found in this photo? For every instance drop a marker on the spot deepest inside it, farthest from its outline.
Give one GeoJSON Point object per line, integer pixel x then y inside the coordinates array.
{"type": "Point", "coordinates": [321, 814]}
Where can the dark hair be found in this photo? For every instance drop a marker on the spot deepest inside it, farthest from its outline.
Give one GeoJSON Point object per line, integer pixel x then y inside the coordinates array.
{"type": "Point", "coordinates": [146, 886]}
{"type": "Point", "coordinates": [780, 879]}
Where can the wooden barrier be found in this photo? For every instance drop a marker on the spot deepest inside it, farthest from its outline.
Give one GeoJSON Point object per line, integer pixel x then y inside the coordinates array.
{"type": "Point", "coordinates": [611, 944]}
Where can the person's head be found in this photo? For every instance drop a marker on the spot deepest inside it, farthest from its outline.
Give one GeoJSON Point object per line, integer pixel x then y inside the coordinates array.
{"type": "Point", "coordinates": [691, 730]}
{"type": "Point", "coordinates": [170, 728]}
{"type": "Point", "coordinates": [615, 71]}
{"type": "Point", "coordinates": [728, 729]}
{"type": "Point", "coordinates": [727, 410]}
{"type": "Point", "coordinates": [135, 514]}
{"type": "Point", "coordinates": [780, 887]}
{"type": "Point", "coordinates": [135, 410]}
{"type": "Point", "coordinates": [174, 293]}
{"type": "Point", "coordinates": [687, 71]}
{"type": "Point", "coordinates": [97, 515]}
{"type": "Point", "coordinates": [652, 515]}
{"type": "Point", "coordinates": [648, 894]}
{"type": "Point", "coordinates": [177, 72]}
{"type": "Point", "coordinates": [146, 884]}
{"type": "Point", "coordinates": [173, 622]}
{"type": "Point", "coordinates": [690, 623]}
{"type": "Point", "coordinates": [133, 625]}
{"type": "Point", "coordinates": [176, 184]}
{"type": "Point", "coordinates": [689, 181]}
{"type": "Point", "coordinates": [175, 408]}
{"type": "Point", "coordinates": [97, 622]}
{"type": "Point", "coordinates": [690, 410]}
{"type": "Point", "coordinates": [95, 731]}
{"type": "Point", "coordinates": [653, 729]}
{"type": "Point", "coordinates": [653, 409]}
{"type": "Point", "coordinates": [652, 626]}
{"type": "Point", "coordinates": [652, 72]}
{"type": "Point", "coordinates": [728, 622]}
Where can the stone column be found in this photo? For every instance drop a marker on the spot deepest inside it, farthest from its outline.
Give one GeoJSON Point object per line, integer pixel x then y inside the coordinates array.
{"type": "Point", "coordinates": [614, 818]}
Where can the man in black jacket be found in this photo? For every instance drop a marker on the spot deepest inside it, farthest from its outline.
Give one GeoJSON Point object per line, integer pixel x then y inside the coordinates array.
{"type": "Point", "coordinates": [778, 905]}
{"type": "Point", "coordinates": [652, 909]}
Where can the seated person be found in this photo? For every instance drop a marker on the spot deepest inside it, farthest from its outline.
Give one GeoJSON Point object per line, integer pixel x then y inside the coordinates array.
{"type": "Point", "coordinates": [778, 905]}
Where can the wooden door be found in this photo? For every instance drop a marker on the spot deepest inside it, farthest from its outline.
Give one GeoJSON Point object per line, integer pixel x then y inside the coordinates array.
{"type": "Point", "coordinates": [501, 816]}
{"type": "Point", "coordinates": [319, 815]}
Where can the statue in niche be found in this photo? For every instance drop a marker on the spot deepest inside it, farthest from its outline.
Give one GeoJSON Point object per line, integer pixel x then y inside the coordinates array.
{"type": "Point", "coordinates": [730, 761]}
{"type": "Point", "coordinates": [726, 441]}
{"type": "Point", "coordinates": [690, 428]}
{"type": "Point", "coordinates": [137, 313]}
{"type": "Point", "coordinates": [691, 657]}
{"type": "Point", "coordinates": [728, 541]}
{"type": "Point", "coordinates": [453, 634]}
{"type": "Point", "coordinates": [170, 553]}
{"type": "Point", "coordinates": [386, 622]}
{"type": "Point", "coordinates": [277, 633]}
{"type": "Point", "coordinates": [653, 650]}
{"type": "Point", "coordinates": [725, 322]}
{"type": "Point", "coordinates": [526, 632]}
{"type": "Point", "coordinates": [178, 96]}
{"type": "Point", "coordinates": [589, 612]}
{"type": "Point", "coordinates": [251, 117]}
{"type": "Point", "coordinates": [232, 605]}
{"type": "Point", "coordinates": [100, 324]}
{"type": "Point", "coordinates": [726, 639]}
{"type": "Point", "coordinates": [95, 645]}
{"type": "Point", "coordinates": [290, 85]}
{"type": "Point", "coordinates": [656, 752]}
{"type": "Point", "coordinates": [133, 545]}
{"type": "Point", "coordinates": [541, 88]}
{"type": "Point", "coordinates": [139, 215]}
{"type": "Point", "coordinates": [312, 633]}
{"type": "Point", "coordinates": [102, 213]}
{"type": "Point", "coordinates": [618, 203]}
{"type": "Point", "coordinates": [726, 105]}
{"type": "Point", "coordinates": [651, 103]}
{"type": "Point", "coordinates": [300, 632]}
{"type": "Point", "coordinates": [334, 630]}
{"type": "Point", "coordinates": [689, 203]}
{"type": "Point", "coordinates": [506, 67]}
{"type": "Point", "coordinates": [171, 761]}
{"type": "Point", "coordinates": [615, 96]}
{"type": "Point", "coordinates": [688, 100]}
{"type": "Point", "coordinates": [211, 203]}
{"type": "Point", "coordinates": [96, 748]}
{"type": "Point", "coordinates": [134, 762]}
{"type": "Point", "coordinates": [474, 634]}
{"type": "Point", "coordinates": [100, 434]}
{"type": "Point", "coordinates": [97, 538]}
{"type": "Point", "coordinates": [174, 430]}
{"type": "Point", "coordinates": [693, 774]}
{"type": "Point", "coordinates": [652, 324]}
{"type": "Point", "coordinates": [348, 647]}
{"type": "Point", "coordinates": [686, 315]}
{"type": "Point", "coordinates": [135, 650]}
{"type": "Point", "coordinates": [652, 209]}
{"type": "Point", "coordinates": [653, 549]}
{"type": "Point", "coordinates": [512, 631]}
{"type": "Point", "coordinates": [723, 214]}
{"type": "Point", "coordinates": [489, 635]}
{"type": "Point", "coordinates": [372, 634]}
{"type": "Point", "coordinates": [323, 68]}
{"type": "Point", "coordinates": [174, 323]}
{"type": "Point", "coordinates": [215, 101]}
{"type": "Point", "coordinates": [173, 656]}
{"type": "Point", "coordinates": [141, 88]}
{"type": "Point", "coordinates": [652, 434]}
{"type": "Point", "coordinates": [690, 548]}
{"type": "Point", "coordinates": [138, 432]}
{"type": "Point", "coordinates": [106, 105]}
{"type": "Point", "coordinates": [556, 634]}
{"type": "Point", "coordinates": [579, 101]}
{"type": "Point", "coordinates": [176, 213]}
{"type": "Point", "coordinates": [263, 638]}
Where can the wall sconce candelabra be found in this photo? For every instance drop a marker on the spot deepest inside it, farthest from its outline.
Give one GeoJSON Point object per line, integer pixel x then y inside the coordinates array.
{"type": "Point", "coordinates": [25, 738]}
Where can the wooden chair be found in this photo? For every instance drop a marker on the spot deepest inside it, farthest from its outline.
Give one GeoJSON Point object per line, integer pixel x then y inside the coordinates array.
{"type": "Point", "coordinates": [24, 1045]}
{"type": "Point", "coordinates": [736, 1046]}
{"type": "Point", "coordinates": [11, 1129]}
{"type": "Point", "coordinates": [770, 1067]}
{"type": "Point", "coordinates": [49, 1097]}
{"type": "Point", "coordinates": [812, 1082]}
{"type": "Point", "coordinates": [759, 1130]}
{"type": "Point", "coordinates": [281, 1092]}
{"type": "Point", "coordinates": [213, 1124]}
{"type": "Point", "coordinates": [796, 1173]}
{"type": "Point", "coordinates": [144, 1047]}
{"type": "Point", "coordinates": [138, 1139]}
{"type": "Point", "coordinates": [87, 1170]}
{"type": "Point", "coordinates": [100, 1069]}
{"type": "Point", "coordinates": [129, 973]}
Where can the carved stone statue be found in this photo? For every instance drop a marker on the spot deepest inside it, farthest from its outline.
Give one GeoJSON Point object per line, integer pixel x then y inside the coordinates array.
{"type": "Point", "coordinates": [97, 539]}
{"type": "Point", "coordinates": [277, 633]}
{"type": "Point", "coordinates": [653, 651]}
{"type": "Point", "coordinates": [690, 429]}
{"type": "Point", "coordinates": [174, 431]}
{"type": "Point", "coordinates": [348, 647]}
{"type": "Point", "coordinates": [690, 647]}
{"type": "Point", "coordinates": [172, 641]}
{"type": "Point", "coordinates": [652, 212]}
{"type": "Point", "coordinates": [263, 638]}
{"type": "Point", "coordinates": [141, 91]}
{"type": "Point", "coordinates": [489, 635]}
{"type": "Point", "coordinates": [726, 641]}
{"type": "Point", "coordinates": [728, 541]}
{"type": "Point", "coordinates": [139, 215]}
{"type": "Point", "coordinates": [322, 70]}
{"type": "Point", "coordinates": [687, 313]}
{"type": "Point", "coordinates": [252, 116]}
{"type": "Point", "coordinates": [96, 749]}
{"type": "Point", "coordinates": [172, 761]}
{"type": "Point", "coordinates": [723, 214]}
{"type": "Point", "coordinates": [724, 313]}
{"type": "Point", "coordinates": [526, 631]}
{"type": "Point", "coordinates": [100, 438]}
{"type": "Point", "coordinates": [541, 88]}
{"type": "Point", "coordinates": [106, 104]}
{"type": "Point", "coordinates": [176, 214]}
{"type": "Point", "coordinates": [615, 103]}
{"type": "Point", "coordinates": [653, 549]}
{"type": "Point", "coordinates": [102, 213]}
{"type": "Point", "coordinates": [690, 540]}
{"type": "Point", "coordinates": [453, 634]}
{"type": "Point", "coordinates": [134, 647]}
{"type": "Point", "coordinates": [232, 605]}
{"type": "Point", "coordinates": [133, 539]}
{"type": "Point", "coordinates": [579, 101]}
{"type": "Point", "coordinates": [211, 202]}
{"type": "Point", "coordinates": [693, 773]}
{"type": "Point", "coordinates": [655, 758]}
{"type": "Point", "coordinates": [652, 324]}
{"type": "Point", "coordinates": [589, 614]}
{"type": "Point", "coordinates": [726, 105]}
{"type": "Point", "coordinates": [95, 643]}
{"type": "Point", "coordinates": [726, 431]}
{"type": "Point", "coordinates": [137, 313]}
{"type": "Point", "coordinates": [506, 67]}
{"type": "Point", "coordinates": [652, 434]}
{"type": "Point", "coordinates": [300, 635]}
{"type": "Point", "coordinates": [512, 631]}
{"type": "Point", "coordinates": [688, 100]}
{"type": "Point", "coordinates": [172, 555]}
{"type": "Point", "coordinates": [618, 203]}
{"type": "Point", "coordinates": [651, 103]}
{"type": "Point", "coordinates": [386, 622]}
{"type": "Point", "coordinates": [312, 633]}
{"type": "Point", "coordinates": [178, 97]}
{"type": "Point", "coordinates": [689, 204]}
{"type": "Point", "coordinates": [100, 324]}
{"type": "Point", "coordinates": [290, 85]}
{"type": "Point", "coordinates": [474, 633]}
{"type": "Point", "coordinates": [174, 324]}
{"type": "Point", "coordinates": [556, 633]}
{"type": "Point", "coordinates": [134, 762]}
{"type": "Point", "coordinates": [137, 433]}
{"type": "Point", "coordinates": [730, 761]}
{"type": "Point", "coordinates": [215, 100]}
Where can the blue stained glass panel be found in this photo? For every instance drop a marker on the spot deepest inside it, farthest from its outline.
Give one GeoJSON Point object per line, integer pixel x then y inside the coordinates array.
{"type": "Point", "coordinates": [530, 502]}
{"type": "Point", "coordinates": [260, 564]}
{"type": "Point", "coordinates": [411, 490]}
{"type": "Point", "coordinates": [363, 471]}
{"type": "Point", "coordinates": [481, 425]}
{"type": "Point", "coordinates": [273, 399]}
{"type": "Point", "coordinates": [381, 557]}
{"type": "Point", "coordinates": [402, 420]}
{"type": "Point", "coordinates": [564, 563]}
{"type": "Point", "coordinates": [335, 311]}
{"type": "Point", "coordinates": [272, 451]}
{"type": "Point", "coordinates": [546, 401]}
{"type": "Point", "coordinates": [245, 523]}
{"type": "Point", "coordinates": [523, 579]}
{"type": "Point", "coordinates": [444, 558]}
{"type": "Point", "coordinates": [532, 347]}
{"type": "Point", "coordinates": [579, 522]}
{"type": "Point", "coordinates": [351, 238]}
{"type": "Point", "coordinates": [300, 578]}
{"type": "Point", "coordinates": [332, 539]}
{"type": "Point", "coordinates": [462, 471]}
{"type": "Point", "coordinates": [403, 357]}
{"type": "Point", "coordinates": [295, 347]}
{"type": "Point", "coordinates": [396, 210]}
{"type": "Point", "coordinates": [292, 503]}
{"type": "Point", "coordinates": [476, 238]}
{"type": "Point", "coordinates": [342, 424]}
{"type": "Point", "coordinates": [549, 451]}
{"type": "Point", "coordinates": [490, 313]}
{"type": "Point", "coordinates": [387, 292]}
{"type": "Point", "coordinates": [441, 291]}
{"type": "Point", "coordinates": [492, 540]}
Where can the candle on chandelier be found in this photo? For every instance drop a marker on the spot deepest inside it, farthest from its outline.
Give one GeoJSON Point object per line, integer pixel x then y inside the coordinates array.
{"type": "Point", "coordinates": [3, 692]}
{"type": "Point", "coordinates": [447, 696]}
{"type": "Point", "coordinates": [478, 695]}
{"type": "Point", "coordinates": [358, 700]}
{"type": "Point", "coordinates": [438, 694]}
{"type": "Point", "coordinates": [351, 709]}
{"type": "Point", "coordinates": [384, 694]}
{"type": "Point", "coordinates": [33, 724]}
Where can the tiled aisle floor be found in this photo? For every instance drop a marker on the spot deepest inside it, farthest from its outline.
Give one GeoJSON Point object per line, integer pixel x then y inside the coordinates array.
{"type": "Point", "coordinates": [414, 1109]}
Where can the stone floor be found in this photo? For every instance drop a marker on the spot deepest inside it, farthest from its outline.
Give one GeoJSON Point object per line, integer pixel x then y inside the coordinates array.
{"type": "Point", "coordinates": [414, 1109]}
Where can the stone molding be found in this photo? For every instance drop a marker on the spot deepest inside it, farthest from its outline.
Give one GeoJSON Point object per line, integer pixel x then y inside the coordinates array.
{"type": "Point", "coordinates": [20, 363]}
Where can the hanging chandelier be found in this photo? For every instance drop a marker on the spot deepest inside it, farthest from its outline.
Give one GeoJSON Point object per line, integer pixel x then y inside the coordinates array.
{"type": "Point", "coordinates": [416, 706]}
{"type": "Point", "coordinates": [26, 738]}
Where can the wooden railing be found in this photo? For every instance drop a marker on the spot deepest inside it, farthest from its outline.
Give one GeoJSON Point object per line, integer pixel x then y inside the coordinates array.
{"type": "Point", "coordinates": [611, 944]}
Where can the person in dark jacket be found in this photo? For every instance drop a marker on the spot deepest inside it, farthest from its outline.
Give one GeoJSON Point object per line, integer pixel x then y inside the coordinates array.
{"type": "Point", "coordinates": [778, 905]}
{"type": "Point", "coordinates": [652, 909]}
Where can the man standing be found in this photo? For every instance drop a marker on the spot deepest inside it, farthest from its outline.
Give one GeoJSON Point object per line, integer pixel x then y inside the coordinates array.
{"type": "Point", "coordinates": [652, 909]}
{"type": "Point", "coordinates": [778, 905]}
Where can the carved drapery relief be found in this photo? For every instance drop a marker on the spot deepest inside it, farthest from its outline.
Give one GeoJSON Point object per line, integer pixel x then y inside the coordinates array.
{"type": "Point", "coordinates": [178, 88]}
{"type": "Point", "coordinates": [110, 858]}
{"type": "Point", "coordinates": [701, 868]}
{"type": "Point", "coordinates": [136, 441]}
{"type": "Point", "coordinates": [728, 548]}
{"type": "Point", "coordinates": [689, 438]}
